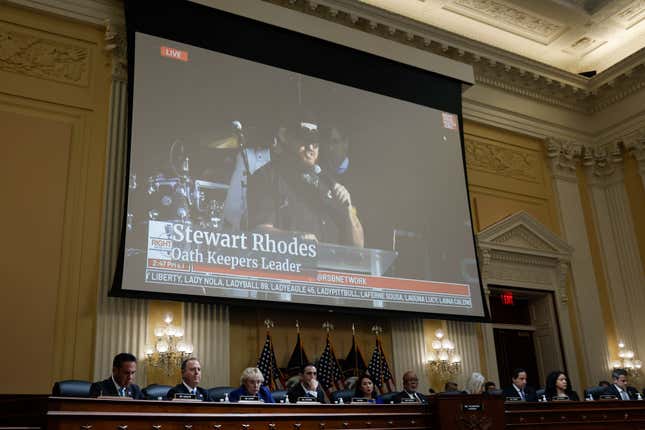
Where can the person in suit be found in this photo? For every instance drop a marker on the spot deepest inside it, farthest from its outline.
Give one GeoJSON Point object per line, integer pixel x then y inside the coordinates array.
{"type": "Point", "coordinates": [619, 386]}
{"type": "Point", "coordinates": [308, 386]}
{"type": "Point", "coordinates": [251, 385]}
{"type": "Point", "coordinates": [121, 383]}
{"type": "Point", "coordinates": [557, 385]}
{"type": "Point", "coordinates": [410, 385]}
{"type": "Point", "coordinates": [519, 388]}
{"type": "Point", "coordinates": [191, 375]}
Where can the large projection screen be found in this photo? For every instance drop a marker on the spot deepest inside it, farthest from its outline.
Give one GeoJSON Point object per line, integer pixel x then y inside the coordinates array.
{"type": "Point", "coordinates": [256, 180]}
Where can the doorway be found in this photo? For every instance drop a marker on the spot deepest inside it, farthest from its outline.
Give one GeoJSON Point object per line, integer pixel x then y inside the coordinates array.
{"type": "Point", "coordinates": [526, 333]}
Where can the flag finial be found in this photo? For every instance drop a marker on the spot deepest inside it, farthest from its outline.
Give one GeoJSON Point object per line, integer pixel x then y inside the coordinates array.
{"type": "Point", "coordinates": [377, 329]}
{"type": "Point", "coordinates": [353, 329]}
{"type": "Point", "coordinates": [269, 323]}
{"type": "Point", "coordinates": [328, 326]}
{"type": "Point", "coordinates": [298, 326]}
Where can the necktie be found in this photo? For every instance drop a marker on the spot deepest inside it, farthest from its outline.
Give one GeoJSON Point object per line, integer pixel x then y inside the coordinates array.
{"type": "Point", "coordinates": [624, 395]}
{"type": "Point", "coordinates": [522, 395]}
{"type": "Point", "coordinates": [122, 391]}
{"type": "Point", "coordinates": [194, 392]}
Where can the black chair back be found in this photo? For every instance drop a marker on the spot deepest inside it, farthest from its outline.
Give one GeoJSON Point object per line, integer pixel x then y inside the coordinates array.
{"type": "Point", "coordinates": [346, 395]}
{"type": "Point", "coordinates": [595, 392]}
{"type": "Point", "coordinates": [156, 391]}
{"type": "Point", "coordinates": [71, 388]}
{"type": "Point", "coordinates": [279, 395]}
{"type": "Point", "coordinates": [388, 397]}
{"type": "Point", "coordinates": [539, 393]}
{"type": "Point", "coordinates": [219, 393]}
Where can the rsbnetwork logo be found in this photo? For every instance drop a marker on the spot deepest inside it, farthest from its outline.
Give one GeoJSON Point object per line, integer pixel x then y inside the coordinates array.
{"type": "Point", "coordinates": [174, 53]}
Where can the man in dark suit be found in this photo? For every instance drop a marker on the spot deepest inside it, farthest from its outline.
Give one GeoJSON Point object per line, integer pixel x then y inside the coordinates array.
{"type": "Point", "coordinates": [619, 386]}
{"type": "Point", "coordinates": [410, 385]}
{"type": "Point", "coordinates": [124, 367]}
{"type": "Point", "coordinates": [308, 386]}
{"type": "Point", "coordinates": [191, 374]}
{"type": "Point", "coordinates": [518, 388]}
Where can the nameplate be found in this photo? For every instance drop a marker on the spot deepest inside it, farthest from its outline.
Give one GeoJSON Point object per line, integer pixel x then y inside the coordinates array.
{"type": "Point", "coordinates": [361, 400]}
{"type": "Point", "coordinates": [409, 400]}
{"type": "Point", "coordinates": [471, 407]}
{"type": "Point", "coordinates": [115, 398]}
{"type": "Point", "coordinates": [249, 399]}
{"type": "Point", "coordinates": [307, 400]}
{"type": "Point", "coordinates": [559, 398]}
{"type": "Point", "coordinates": [185, 396]}
{"type": "Point", "coordinates": [513, 399]}
{"type": "Point", "coordinates": [607, 397]}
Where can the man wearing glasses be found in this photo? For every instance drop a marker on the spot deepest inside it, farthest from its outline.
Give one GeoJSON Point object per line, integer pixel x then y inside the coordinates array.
{"type": "Point", "coordinates": [308, 386]}
{"type": "Point", "coordinates": [295, 193]}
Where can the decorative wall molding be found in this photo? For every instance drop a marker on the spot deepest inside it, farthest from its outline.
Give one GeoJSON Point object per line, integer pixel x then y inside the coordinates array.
{"type": "Point", "coordinates": [32, 53]}
{"type": "Point", "coordinates": [511, 18]}
{"type": "Point", "coordinates": [116, 49]}
{"type": "Point", "coordinates": [500, 160]}
{"type": "Point", "coordinates": [493, 67]}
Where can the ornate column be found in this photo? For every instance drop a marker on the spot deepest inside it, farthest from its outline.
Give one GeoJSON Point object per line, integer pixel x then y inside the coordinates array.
{"type": "Point", "coordinates": [120, 322]}
{"type": "Point", "coordinates": [563, 160]}
{"type": "Point", "coordinates": [635, 144]}
{"type": "Point", "coordinates": [618, 244]}
{"type": "Point", "coordinates": [487, 329]}
{"type": "Point", "coordinates": [207, 326]}
{"type": "Point", "coordinates": [408, 346]}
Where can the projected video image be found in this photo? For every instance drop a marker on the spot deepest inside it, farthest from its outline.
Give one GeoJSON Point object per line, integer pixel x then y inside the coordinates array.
{"type": "Point", "coordinates": [253, 182]}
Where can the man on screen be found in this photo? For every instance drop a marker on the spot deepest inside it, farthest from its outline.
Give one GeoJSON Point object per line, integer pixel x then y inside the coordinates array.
{"type": "Point", "coordinates": [294, 193]}
{"type": "Point", "coordinates": [121, 383]}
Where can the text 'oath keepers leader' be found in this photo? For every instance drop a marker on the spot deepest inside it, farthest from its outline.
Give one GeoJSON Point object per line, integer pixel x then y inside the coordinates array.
{"type": "Point", "coordinates": [295, 193]}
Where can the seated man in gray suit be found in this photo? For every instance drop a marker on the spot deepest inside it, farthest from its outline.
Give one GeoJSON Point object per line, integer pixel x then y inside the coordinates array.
{"type": "Point", "coordinates": [124, 367]}
{"type": "Point", "coordinates": [191, 374]}
{"type": "Point", "coordinates": [619, 386]}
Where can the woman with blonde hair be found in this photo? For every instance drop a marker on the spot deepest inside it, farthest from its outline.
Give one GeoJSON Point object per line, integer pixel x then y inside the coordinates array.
{"type": "Point", "coordinates": [251, 385]}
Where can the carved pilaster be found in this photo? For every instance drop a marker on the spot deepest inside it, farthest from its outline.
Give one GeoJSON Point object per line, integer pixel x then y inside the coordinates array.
{"type": "Point", "coordinates": [604, 164]}
{"type": "Point", "coordinates": [116, 49]}
{"type": "Point", "coordinates": [563, 158]}
{"type": "Point", "coordinates": [563, 270]}
{"type": "Point", "coordinates": [635, 145]}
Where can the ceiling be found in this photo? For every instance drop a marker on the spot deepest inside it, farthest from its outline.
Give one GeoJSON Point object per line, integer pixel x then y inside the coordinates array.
{"type": "Point", "coordinates": [572, 35]}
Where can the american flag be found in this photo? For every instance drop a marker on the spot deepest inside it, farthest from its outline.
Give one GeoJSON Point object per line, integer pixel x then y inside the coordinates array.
{"type": "Point", "coordinates": [354, 364]}
{"type": "Point", "coordinates": [267, 364]}
{"type": "Point", "coordinates": [298, 359]}
{"type": "Point", "coordinates": [379, 370]}
{"type": "Point", "coordinates": [330, 375]}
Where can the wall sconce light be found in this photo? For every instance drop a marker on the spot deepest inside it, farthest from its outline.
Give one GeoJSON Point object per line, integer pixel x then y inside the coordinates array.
{"type": "Point", "coordinates": [443, 360]}
{"type": "Point", "coordinates": [170, 349]}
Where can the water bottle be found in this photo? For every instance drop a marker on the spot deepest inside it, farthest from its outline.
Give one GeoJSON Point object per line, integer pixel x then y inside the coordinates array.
{"type": "Point", "coordinates": [638, 396]}
{"type": "Point", "coordinates": [226, 398]}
